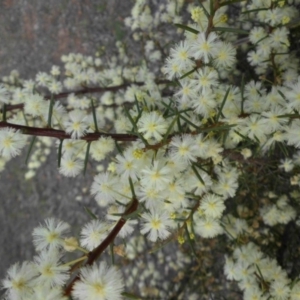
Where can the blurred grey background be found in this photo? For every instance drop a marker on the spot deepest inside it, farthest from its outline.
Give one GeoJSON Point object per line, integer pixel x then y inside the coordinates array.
{"type": "Point", "coordinates": [33, 36]}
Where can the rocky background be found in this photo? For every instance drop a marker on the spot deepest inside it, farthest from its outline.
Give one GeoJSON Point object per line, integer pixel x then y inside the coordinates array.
{"type": "Point", "coordinates": [33, 36]}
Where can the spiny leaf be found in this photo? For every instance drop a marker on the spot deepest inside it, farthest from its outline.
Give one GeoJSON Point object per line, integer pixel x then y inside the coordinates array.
{"type": "Point", "coordinates": [189, 122]}
{"type": "Point", "coordinates": [198, 175]}
{"type": "Point", "coordinates": [230, 2]}
{"type": "Point", "coordinates": [188, 73]}
{"type": "Point", "coordinates": [187, 28]}
{"type": "Point", "coordinates": [118, 148]}
{"type": "Point", "coordinates": [217, 128]}
{"type": "Point", "coordinates": [134, 126]}
{"type": "Point", "coordinates": [190, 240]}
{"type": "Point", "coordinates": [94, 115]}
{"type": "Point", "coordinates": [222, 104]}
{"type": "Point", "coordinates": [133, 215]}
{"type": "Point", "coordinates": [132, 187]}
{"type": "Point", "coordinates": [211, 7]}
{"type": "Point", "coordinates": [50, 112]}
{"type": "Point", "coordinates": [242, 93]}
{"type": "Point", "coordinates": [254, 10]}
{"type": "Point", "coordinates": [59, 152]}
{"type": "Point", "coordinates": [229, 29]}
{"type": "Point", "coordinates": [169, 129]}
{"type": "Point", "coordinates": [4, 113]}
{"type": "Point", "coordinates": [30, 148]}
{"type": "Point", "coordinates": [204, 9]}
{"type": "Point", "coordinates": [131, 296]}
{"type": "Point", "coordinates": [86, 156]}
{"type": "Point", "coordinates": [111, 246]}
{"type": "Point", "coordinates": [90, 213]}
{"type": "Point", "coordinates": [292, 116]}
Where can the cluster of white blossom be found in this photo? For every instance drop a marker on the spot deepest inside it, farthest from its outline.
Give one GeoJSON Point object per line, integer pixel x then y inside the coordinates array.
{"type": "Point", "coordinates": [259, 276]}
{"type": "Point", "coordinates": [46, 276]}
{"type": "Point", "coordinates": [187, 144]}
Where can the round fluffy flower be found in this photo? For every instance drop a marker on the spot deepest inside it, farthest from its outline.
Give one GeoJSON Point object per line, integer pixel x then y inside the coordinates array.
{"type": "Point", "coordinates": [50, 235]}
{"type": "Point", "coordinates": [76, 125]}
{"type": "Point", "coordinates": [70, 166]}
{"type": "Point", "coordinates": [54, 293]}
{"type": "Point", "coordinates": [104, 188]}
{"type": "Point", "coordinates": [94, 233]}
{"type": "Point", "coordinates": [181, 55]}
{"type": "Point", "coordinates": [256, 34]}
{"type": "Point", "coordinates": [17, 281]}
{"type": "Point", "coordinates": [101, 147]}
{"type": "Point", "coordinates": [203, 47]}
{"type": "Point", "coordinates": [293, 134]}
{"type": "Point", "coordinates": [255, 128]}
{"type": "Point", "coordinates": [186, 92]}
{"type": "Point", "coordinates": [152, 125]}
{"type": "Point", "coordinates": [208, 227]}
{"type": "Point", "coordinates": [98, 283]}
{"type": "Point", "coordinates": [157, 175]}
{"type": "Point", "coordinates": [11, 142]}
{"type": "Point", "coordinates": [212, 205]}
{"type": "Point", "coordinates": [293, 95]}
{"type": "Point", "coordinates": [286, 164]}
{"type": "Point", "coordinates": [295, 291]}
{"type": "Point", "coordinates": [52, 273]}
{"type": "Point", "coordinates": [157, 224]}
{"type": "Point", "coordinates": [128, 165]}
{"type": "Point", "coordinates": [183, 148]}
{"type": "Point", "coordinates": [225, 55]}
{"type": "Point", "coordinates": [113, 214]}
{"type": "Point", "coordinates": [205, 103]}
{"type": "Point", "coordinates": [205, 78]}
{"type": "Point", "coordinates": [35, 105]}
{"type": "Point", "coordinates": [280, 290]}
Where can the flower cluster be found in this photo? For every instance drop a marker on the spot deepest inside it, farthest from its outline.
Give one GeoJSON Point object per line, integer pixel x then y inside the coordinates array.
{"type": "Point", "coordinates": [46, 276]}
{"type": "Point", "coordinates": [204, 147]}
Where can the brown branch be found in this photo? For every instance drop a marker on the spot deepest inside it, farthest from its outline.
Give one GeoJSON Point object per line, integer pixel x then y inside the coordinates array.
{"type": "Point", "coordinates": [60, 134]}
{"type": "Point", "coordinates": [87, 90]}
{"type": "Point", "coordinates": [94, 255]}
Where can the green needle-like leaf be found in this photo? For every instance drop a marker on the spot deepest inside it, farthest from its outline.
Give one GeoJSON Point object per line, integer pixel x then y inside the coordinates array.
{"type": "Point", "coordinates": [30, 148]}
{"type": "Point", "coordinates": [189, 122]}
{"type": "Point", "coordinates": [187, 28]}
{"type": "Point", "coordinates": [50, 112]}
{"type": "Point", "coordinates": [229, 29]}
{"type": "Point", "coordinates": [134, 126]}
{"type": "Point", "coordinates": [230, 2]}
{"type": "Point", "coordinates": [90, 213]}
{"type": "Point", "coordinates": [188, 73]}
{"type": "Point", "coordinates": [86, 156]}
{"type": "Point", "coordinates": [222, 105]}
{"type": "Point", "coordinates": [131, 296]}
{"type": "Point", "coordinates": [204, 9]}
{"type": "Point", "coordinates": [292, 116]}
{"type": "Point", "coordinates": [242, 93]}
{"type": "Point", "coordinates": [132, 188]}
{"type": "Point", "coordinates": [211, 7]}
{"type": "Point", "coordinates": [60, 152]}
{"type": "Point", "coordinates": [198, 175]}
{"type": "Point", "coordinates": [130, 119]}
{"type": "Point", "coordinates": [111, 246]}
{"type": "Point", "coordinates": [218, 128]}
{"type": "Point", "coordinates": [190, 240]}
{"type": "Point", "coordinates": [169, 129]}
{"type": "Point", "coordinates": [254, 10]}
{"type": "Point", "coordinates": [4, 113]}
{"type": "Point", "coordinates": [94, 115]}
{"type": "Point", "coordinates": [119, 148]}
